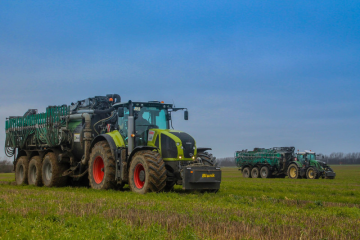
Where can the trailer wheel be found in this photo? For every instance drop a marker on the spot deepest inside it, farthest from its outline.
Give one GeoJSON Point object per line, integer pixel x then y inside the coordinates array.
{"type": "Point", "coordinates": [293, 171]}
{"type": "Point", "coordinates": [35, 172]}
{"type": "Point", "coordinates": [311, 173]}
{"type": "Point", "coordinates": [265, 172]}
{"type": "Point", "coordinates": [52, 171]}
{"type": "Point", "coordinates": [21, 170]}
{"type": "Point", "coordinates": [246, 172]}
{"type": "Point", "coordinates": [255, 172]}
{"type": "Point", "coordinates": [102, 167]}
{"type": "Point", "coordinates": [147, 172]}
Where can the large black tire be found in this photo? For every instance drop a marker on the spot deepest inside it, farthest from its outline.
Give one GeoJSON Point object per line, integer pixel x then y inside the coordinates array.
{"type": "Point", "coordinates": [147, 172]}
{"type": "Point", "coordinates": [35, 171]}
{"type": "Point", "coordinates": [207, 158]}
{"type": "Point", "coordinates": [52, 171]}
{"type": "Point", "coordinates": [21, 170]}
{"type": "Point", "coordinates": [311, 173]}
{"type": "Point", "coordinates": [102, 167]}
{"type": "Point", "coordinates": [265, 172]}
{"type": "Point", "coordinates": [255, 172]}
{"type": "Point", "coordinates": [246, 172]}
{"type": "Point", "coordinates": [293, 171]}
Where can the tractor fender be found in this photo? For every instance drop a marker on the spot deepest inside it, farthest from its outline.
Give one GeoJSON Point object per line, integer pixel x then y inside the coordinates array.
{"type": "Point", "coordinates": [202, 149]}
{"type": "Point", "coordinates": [104, 137]}
{"type": "Point", "coordinates": [140, 148]}
{"type": "Point", "coordinates": [298, 164]}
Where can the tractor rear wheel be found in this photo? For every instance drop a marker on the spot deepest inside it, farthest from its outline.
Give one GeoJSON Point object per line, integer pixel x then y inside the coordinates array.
{"type": "Point", "coordinates": [147, 172]}
{"type": "Point", "coordinates": [255, 172]}
{"type": "Point", "coordinates": [311, 173]}
{"type": "Point", "coordinates": [34, 174]}
{"type": "Point", "coordinates": [246, 172]}
{"type": "Point", "coordinates": [21, 170]}
{"type": "Point", "coordinates": [265, 172]}
{"type": "Point", "coordinates": [102, 167]}
{"type": "Point", "coordinates": [293, 171]}
{"type": "Point", "coordinates": [52, 171]}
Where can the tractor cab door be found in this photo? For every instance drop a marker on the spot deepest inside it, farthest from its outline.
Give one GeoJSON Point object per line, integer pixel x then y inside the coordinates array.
{"type": "Point", "coordinates": [148, 118]}
{"type": "Point", "coordinates": [123, 125]}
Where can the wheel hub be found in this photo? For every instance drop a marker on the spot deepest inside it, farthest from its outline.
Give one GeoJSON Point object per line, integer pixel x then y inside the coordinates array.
{"type": "Point", "coordinates": [98, 170]}
{"type": "Point", "coordinates": [142, 175]}
{"type": "Point", "coordinates": [48, 171]}
{"type": "Point", "coordinates": [139, 176]}
{"type": "Point", "coordinates": [33, 173]}
{"type": "Point", "coordinates": [21, 171]}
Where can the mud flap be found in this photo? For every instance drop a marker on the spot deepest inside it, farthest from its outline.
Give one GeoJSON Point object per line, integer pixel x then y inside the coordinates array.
{"type": "Point", "coordinates": [201, 178]}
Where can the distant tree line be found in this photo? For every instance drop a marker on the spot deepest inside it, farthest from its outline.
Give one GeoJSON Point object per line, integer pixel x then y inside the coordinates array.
{"type": "Point", "coordinates": [6, 166]}
{"type": "Point", "coordinates": [334, 158]}
{"type": "Point", "coordinates": [226, 162]}
{"type": "Point", "coordinates": [340, 158]}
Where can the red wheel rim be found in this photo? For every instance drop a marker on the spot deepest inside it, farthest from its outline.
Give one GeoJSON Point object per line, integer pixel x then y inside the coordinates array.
{"type": "Point", "coordinates": [138, 183]}
{"type": "Point", "coordinates": [98, 170]}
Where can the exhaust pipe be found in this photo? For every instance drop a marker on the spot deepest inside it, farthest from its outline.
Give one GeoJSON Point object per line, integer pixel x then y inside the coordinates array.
{"type": "Point", "coordinates": [87, 138]}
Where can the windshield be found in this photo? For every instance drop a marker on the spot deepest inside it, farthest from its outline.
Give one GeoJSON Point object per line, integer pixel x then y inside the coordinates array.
{"type": "Point", "coordinates": [302, 157]}
{"type": "Point", "coordinates": [151, 116]}
{"type": "Point", "coordinates": [311, 157]}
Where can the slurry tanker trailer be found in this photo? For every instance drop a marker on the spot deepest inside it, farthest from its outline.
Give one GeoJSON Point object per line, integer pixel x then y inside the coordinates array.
{"type": "Point", "coordinates": [111, 143]}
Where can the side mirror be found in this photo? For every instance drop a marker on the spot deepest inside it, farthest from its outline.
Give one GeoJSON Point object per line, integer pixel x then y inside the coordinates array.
{"type": "Point", "coordinates": [186, 115]}
{"type": "Point", "coordinates": [120, 112]}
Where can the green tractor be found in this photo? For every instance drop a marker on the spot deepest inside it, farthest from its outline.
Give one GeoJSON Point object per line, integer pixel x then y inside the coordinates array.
{"type": "Point", "coordinates": [314, 168]}
{"type": "Point", "coordinates": [113, 143]}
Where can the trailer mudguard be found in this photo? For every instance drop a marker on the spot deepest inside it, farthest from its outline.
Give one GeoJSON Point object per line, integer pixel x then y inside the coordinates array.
{"type": "Point", "coordinates": [201, 178]}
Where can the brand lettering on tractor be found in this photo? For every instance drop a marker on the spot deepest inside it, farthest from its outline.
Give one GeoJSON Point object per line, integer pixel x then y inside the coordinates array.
{"type": "Point", "coordinates": [204, 175]}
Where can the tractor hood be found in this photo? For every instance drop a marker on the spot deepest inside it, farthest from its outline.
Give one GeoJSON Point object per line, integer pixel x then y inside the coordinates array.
{"type": "Point", "coordinates": [174, 145]}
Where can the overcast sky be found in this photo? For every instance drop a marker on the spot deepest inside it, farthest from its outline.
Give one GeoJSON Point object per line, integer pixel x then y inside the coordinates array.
{"type": "Point", "coordinates": [251, 73]}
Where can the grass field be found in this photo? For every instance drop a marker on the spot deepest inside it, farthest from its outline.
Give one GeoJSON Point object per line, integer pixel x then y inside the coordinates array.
{"type": "Point", "coordinates": [242, 209]}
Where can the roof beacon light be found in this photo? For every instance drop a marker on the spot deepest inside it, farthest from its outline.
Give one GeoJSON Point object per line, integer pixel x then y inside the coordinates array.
{"type": "Point", "coordinates": [111, 99]}
{"type": "Point", "coordinates": [162, 101]}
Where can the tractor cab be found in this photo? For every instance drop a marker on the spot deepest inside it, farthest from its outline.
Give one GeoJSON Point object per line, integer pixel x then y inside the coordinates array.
{"type": "Point", "coordinates": [306, 156]}
{"type": "Point", "coordinates": [136, 119]}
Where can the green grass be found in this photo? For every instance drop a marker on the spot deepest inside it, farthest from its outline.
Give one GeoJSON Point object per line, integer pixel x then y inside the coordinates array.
{"type": "Point", "coordinates": [242, 209]}
{"type": "Point", "coordinates": [7, 177]}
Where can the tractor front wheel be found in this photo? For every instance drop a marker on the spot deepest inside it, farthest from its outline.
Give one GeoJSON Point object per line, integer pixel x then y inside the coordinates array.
{"type": "Point", "coordinates": [147, 172]}
{"type": "Point", "coordinates": [102, 167]}
{"type": "Point", "coordinates": [207, 158]}
{"type": "Point", "coordinates": [293, 171]}
{"type": "Point", "coordinates": [311, 173]}
{"type": "Point", "coordinates": [246, 172]}
{"type": "Point", "coordinates": [255, 172]}
{"type": "Point", "coordinates": [21, 170]}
